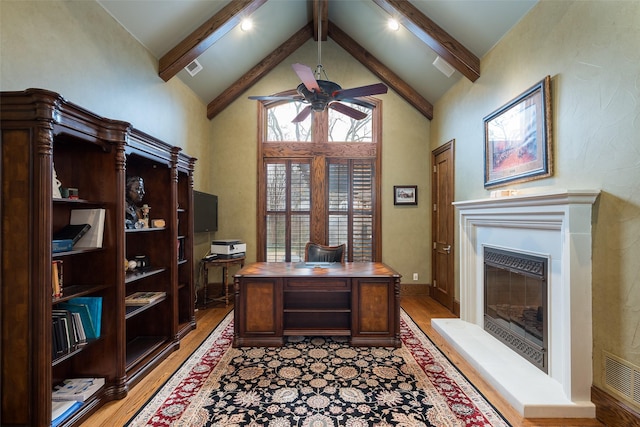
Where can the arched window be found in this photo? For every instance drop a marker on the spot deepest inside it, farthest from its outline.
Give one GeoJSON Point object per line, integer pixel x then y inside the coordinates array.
{"type": "Point", "coordinates": [318, 181]}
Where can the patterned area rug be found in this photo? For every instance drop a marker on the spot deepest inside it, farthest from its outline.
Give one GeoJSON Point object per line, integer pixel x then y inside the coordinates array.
{"type": "Point", "coordinates": [318, 382]}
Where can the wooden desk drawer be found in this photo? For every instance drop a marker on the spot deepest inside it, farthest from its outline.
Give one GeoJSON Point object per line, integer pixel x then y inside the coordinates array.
{"type": "Point", "coordinates": [317, 283]}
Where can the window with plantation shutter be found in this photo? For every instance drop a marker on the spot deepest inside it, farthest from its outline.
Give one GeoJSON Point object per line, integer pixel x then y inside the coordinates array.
{"type": "Point", "coordinates": [288, 199]}
{"type": "Point", "coordinates": [318, 182]}
{"type": "Point", "coordinates": [351, 186]}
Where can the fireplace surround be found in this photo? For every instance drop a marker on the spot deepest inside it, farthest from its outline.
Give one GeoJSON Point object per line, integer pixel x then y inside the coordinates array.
{"type": "Point", "coordinates": [554, 226]}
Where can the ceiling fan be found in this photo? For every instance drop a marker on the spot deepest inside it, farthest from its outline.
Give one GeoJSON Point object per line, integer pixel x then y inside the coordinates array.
{"type": "Point", "coordinates": [322, 93]}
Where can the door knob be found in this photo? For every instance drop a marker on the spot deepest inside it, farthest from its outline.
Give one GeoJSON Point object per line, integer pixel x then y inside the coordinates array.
{"type": "Point", "coordinates": [447, 249]}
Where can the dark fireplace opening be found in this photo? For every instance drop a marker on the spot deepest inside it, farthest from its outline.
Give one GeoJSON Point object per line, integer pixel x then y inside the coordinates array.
{"type": "Point", "coordinates": [515, 302]}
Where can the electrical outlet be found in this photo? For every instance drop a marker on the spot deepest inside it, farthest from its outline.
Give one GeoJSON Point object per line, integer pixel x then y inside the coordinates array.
{"type": "Point", "coordinates": [415, 276]}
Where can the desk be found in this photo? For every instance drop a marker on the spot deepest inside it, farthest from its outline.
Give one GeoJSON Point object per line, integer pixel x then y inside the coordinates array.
{"type": "Point", "coordinates": [223, 263]}
{"type": "Point", "coordinates": [360, 300]}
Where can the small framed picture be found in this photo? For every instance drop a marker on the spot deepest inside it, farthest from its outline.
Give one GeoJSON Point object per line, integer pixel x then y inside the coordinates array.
{"type": "Point", "coordinates": [405, 194]}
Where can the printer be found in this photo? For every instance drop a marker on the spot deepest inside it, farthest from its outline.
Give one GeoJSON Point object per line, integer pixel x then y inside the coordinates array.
{"type": "Point", "coordinates": [228, 248]}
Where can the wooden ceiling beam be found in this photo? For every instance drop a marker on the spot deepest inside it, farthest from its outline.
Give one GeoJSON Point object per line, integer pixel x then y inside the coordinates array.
{"type": "Point", "coordinates": [205, 36]}
{"type": "Point", "coordinates": [452, 51]}
{"type": "Point", "coordinates": [324, 15]}
{"type": "Point", "coordinates": [259, 71]}
{"type": "Point", "coordinates": [379, 69]}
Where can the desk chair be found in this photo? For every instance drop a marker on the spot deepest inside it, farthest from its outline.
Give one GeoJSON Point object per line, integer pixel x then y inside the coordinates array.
{"type": "Point", "coordinates": [315, 252]}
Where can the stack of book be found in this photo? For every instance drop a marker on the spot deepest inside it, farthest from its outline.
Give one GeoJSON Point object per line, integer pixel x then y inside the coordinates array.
{"type": "Point", "coordinates": [74, 323]}
{"type": "Point", "coordinates": [144, 298]}
{"type": "Point", "coordinates": [67, 236]}
{"type": "Point", "coordinates": [85, 230]}
{"type": "Point", "coordinates": [68, 397]}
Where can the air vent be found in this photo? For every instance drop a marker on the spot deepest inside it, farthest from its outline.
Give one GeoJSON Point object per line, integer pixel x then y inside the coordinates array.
{"type": "Point", "coordinates": [444, 67]}
{"type": "Point", "coordinates": [193, 68]}
{"type": "Point", "coordinates": [622, 378]}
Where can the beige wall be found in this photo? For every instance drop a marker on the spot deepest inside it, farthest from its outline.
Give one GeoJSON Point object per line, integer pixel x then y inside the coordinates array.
{"type": "Point", "coordinates": [591, 49]}
{"type": "Point", "coordinates": [406, 233]}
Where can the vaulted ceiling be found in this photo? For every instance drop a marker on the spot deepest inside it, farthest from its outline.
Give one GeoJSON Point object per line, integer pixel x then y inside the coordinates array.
{"type": "Point", "coordinates": [177, 32]}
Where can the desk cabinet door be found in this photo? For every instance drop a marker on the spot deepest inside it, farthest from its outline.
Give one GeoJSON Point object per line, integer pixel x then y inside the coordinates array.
{"type": "Point", "coordinates": [258, 317]}
{"type": "Point", "coordinates": [374, 313]}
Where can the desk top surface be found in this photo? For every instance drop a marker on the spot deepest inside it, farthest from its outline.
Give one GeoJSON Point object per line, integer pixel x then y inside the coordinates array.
{"type": "Point", "coordinates": [313, 269]}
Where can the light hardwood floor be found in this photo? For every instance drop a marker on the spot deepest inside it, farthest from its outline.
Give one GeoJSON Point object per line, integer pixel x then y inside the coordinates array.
{"type": "Point", "coordinates": [421, 309]}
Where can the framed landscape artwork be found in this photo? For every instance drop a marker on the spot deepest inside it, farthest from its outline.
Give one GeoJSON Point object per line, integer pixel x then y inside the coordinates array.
{"type": "Point", "coordinates": [405, 194]}
{"type": "Point", "coordinates": [517, 138]}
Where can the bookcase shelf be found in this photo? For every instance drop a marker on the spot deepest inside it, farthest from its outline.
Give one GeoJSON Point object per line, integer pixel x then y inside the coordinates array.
{"type": "Point", "coordinates": [74, 252]}
{"type": "Point", "coordinates": [144, 230]}
{"type": "Point", "coordinates": [44, 136]}
{"type": "Point", "coordinates": [142, 346]}
{"type": "Point", "coordinates": [133, 276]}
{"type": "Point", "coordinates": [75, 291]}
{"type": "Point", "coordinates": [72, 352]}
{"type": "Point", "coordinates": [133, 310]}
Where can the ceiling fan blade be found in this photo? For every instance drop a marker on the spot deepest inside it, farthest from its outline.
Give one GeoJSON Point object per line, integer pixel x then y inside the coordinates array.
{"type": "Point", "coordinates": [345, 109]}
{"type": "Point", "coordinates": [375, 89]}
{"type": "Point", "coordinates": [277, 98]}
{"type": "Point", "coordinates": [360, 102]}
{"type": "Point", "coordinates": [302, 115]}
{"type": "Point", "coordinates": [306, 76]}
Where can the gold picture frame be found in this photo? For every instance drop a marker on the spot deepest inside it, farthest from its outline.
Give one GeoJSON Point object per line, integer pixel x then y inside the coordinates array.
{"type": "Point", "coordinates": [517, 138]}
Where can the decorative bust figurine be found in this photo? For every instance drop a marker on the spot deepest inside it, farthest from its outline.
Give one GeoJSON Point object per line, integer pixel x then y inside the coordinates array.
{"type": "Point", "coordinates": [134, 195]}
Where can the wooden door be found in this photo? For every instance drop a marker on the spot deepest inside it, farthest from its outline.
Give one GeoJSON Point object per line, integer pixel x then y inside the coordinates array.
{"type": "Point", "coordinates": [442, 224]}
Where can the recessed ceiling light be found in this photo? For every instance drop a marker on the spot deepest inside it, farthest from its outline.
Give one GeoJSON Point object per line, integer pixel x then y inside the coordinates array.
{"type": "Point", "coordinates": [246, 24]}
{"type": "Point", "coordinates": [393, 24]}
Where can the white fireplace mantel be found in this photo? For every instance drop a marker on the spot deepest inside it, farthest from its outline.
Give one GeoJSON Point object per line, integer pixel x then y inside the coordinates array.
{"type": "Point", "coordinates": [555, 226]}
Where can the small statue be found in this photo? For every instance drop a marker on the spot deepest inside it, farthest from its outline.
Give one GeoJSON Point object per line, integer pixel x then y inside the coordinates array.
{"type": "Point", "coordinates": [134, 195]}
{"type": "Point", "coordinates": [56, 185]}
{"type": "Point", "coordinates": [145, 215]}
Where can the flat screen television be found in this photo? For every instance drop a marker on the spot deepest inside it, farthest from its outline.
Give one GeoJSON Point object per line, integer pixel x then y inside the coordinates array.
{"type": "Point", "coordinates": [205, 212]}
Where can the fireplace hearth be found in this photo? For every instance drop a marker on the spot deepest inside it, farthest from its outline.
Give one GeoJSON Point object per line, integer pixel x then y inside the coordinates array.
{"type": "Point", "coordinates": [555, 227]}
{"type": "Point", "coordinates": [515, 296]}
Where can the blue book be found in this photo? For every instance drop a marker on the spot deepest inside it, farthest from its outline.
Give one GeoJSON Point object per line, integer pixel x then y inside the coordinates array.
{"type": "Point", "coordinates": [85, 317]}
{"type": "Point", "coordinates": [94, 304]}
{"type": "Point", "coordinates": [60, 411]}
{"type": "Point", "coordinates": [61, 245]}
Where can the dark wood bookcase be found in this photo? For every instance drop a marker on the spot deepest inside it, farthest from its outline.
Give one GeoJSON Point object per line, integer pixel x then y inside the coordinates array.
{"type": "Point", "coordinates": [42, 132]}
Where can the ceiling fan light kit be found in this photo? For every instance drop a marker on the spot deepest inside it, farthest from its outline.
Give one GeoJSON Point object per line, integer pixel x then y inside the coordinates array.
{"type": "Point", "coordinates": [319, 99]}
